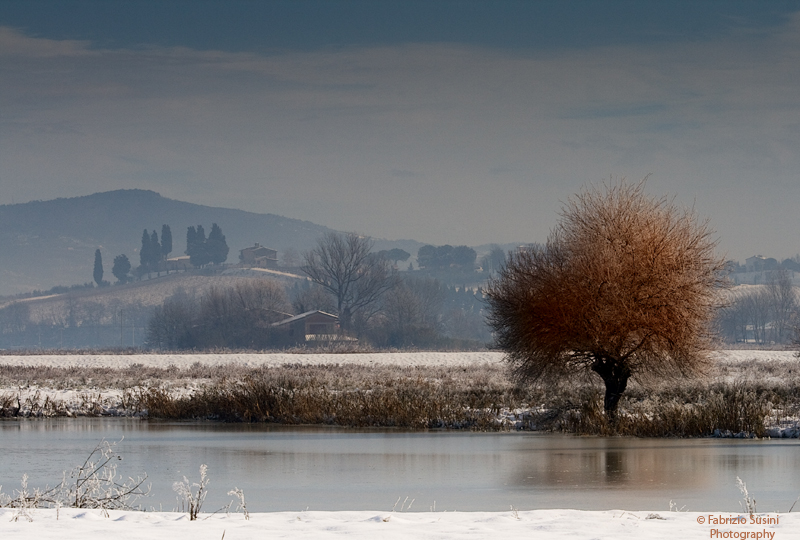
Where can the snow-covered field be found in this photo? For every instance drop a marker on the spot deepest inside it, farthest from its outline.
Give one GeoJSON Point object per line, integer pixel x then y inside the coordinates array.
{"type": "Point", "coordinates": [72, 524]}
{"type": "Point", "coordinates": [276, 359]}
{"type": "Point", "coordinates": [732, 364]}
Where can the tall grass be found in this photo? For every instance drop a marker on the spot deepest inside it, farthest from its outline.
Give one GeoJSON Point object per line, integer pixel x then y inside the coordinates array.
{"type": "Point", "coordinates": [742, 397]}
{"type": "Point", "coordinates": [345, 395]}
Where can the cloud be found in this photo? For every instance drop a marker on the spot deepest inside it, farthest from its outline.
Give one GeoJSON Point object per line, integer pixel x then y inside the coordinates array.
{"type": "Point", "coordinates": [442, 142]}
{"type": "Point", "coordinates": [15, 44]}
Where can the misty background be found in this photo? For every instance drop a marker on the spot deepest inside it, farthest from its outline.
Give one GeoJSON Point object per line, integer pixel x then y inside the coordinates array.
{"type": "Point", "coordinates": [443, 122]}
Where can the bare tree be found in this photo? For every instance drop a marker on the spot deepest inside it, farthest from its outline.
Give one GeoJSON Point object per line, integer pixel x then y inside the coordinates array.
{"type": "Point", "coordinates": [344, 266]}
{"type": "Point", "coordinates": [412, 312]}
{"type": "Point", "coordinates": [783, 300]}
{"type": "Point", "coordinates": [625, 286]}
{"type": "Point", "coordinates": [237, 316]}
{"type": "Point", "coordinates": [763, 313]}
{"type": "Point", "coordinates": [310, 298]}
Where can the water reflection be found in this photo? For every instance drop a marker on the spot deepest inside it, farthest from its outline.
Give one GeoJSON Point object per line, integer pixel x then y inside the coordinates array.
{"type": "Point", "coordinates": [639, 466]}
{"type": "Point", "coordinates": [321, 468]}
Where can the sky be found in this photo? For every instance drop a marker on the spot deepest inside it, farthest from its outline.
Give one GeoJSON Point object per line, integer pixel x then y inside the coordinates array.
{"type": "Point", "coordinates": [460, 122]}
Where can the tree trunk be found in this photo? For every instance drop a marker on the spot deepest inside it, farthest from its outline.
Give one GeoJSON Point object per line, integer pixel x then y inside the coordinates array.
{"type": "Point", "coordinates": [615, 375]}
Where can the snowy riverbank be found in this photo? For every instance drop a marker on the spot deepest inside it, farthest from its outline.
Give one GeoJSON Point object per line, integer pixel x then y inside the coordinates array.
{"type": "Point", "coordinates": [112, 385]}
{"type": "Point", "coordinates": [73, 524]}
{"type": "Point", "coordinates": [419, 358]}
{"type": "Point", "coordinates": [183, 361]}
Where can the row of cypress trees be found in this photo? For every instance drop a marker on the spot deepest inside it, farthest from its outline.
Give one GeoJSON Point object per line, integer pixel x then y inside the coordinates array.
{"type": "Point", "coordinates": [201, 251]}
{"type": "Point", "coordinates": [153, 251]}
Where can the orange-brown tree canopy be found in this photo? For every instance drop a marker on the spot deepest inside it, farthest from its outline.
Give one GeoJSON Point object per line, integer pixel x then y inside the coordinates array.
{"type": "Point", "coordinates": [625, 286]}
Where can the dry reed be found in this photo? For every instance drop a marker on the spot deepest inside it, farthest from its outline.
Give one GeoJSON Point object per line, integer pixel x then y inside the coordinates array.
{"type": "Point", "coordinates": [742, 397]}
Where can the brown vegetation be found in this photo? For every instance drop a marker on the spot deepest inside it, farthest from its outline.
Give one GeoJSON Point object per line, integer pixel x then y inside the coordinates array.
{"type": "Point", "coordinates": [624, 287]}
{"type": "Point", "coordinates": [235, 316]}
{"type": "Point", "coordinates": [742, 397]}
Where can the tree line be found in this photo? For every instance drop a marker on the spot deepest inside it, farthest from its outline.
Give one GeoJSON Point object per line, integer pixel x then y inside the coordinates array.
{"type": "Point", "coordinates": [762, 314]}
{"type": "Point", "coordinates": [239, 316]}
{"type": "Point", "coordinates": [154, 252]}
{"type": "Point", "coordinates": [362, 288]}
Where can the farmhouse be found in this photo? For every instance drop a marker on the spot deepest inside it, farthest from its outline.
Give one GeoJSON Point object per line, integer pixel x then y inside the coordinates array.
{"type": "Point", "coordinates": [178, 263]}
{"type": "Point", "coordinates": [310, 326]}
{"type": "Point", "coordinates": [259, 256]}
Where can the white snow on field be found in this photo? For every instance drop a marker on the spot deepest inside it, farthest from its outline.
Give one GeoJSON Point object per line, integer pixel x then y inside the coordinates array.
{"type": "Point", "coordinates": [73, 524]}
{"type": "Point", "coordinates": [733, 356]}
{"type": "Point", "coordinates": [275, 359]}
{"type": "Point", "coordinates": [110, 401]}
{"type": "Point", "coordinates": [253, 359]}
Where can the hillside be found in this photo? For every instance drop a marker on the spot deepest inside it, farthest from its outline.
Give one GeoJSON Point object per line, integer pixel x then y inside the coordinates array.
{"type": "Point", "coordinates": [47, 243]}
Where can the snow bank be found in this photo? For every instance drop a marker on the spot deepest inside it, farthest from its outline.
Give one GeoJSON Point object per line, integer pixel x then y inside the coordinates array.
{"type": "Point", "coordinates": [253, 359]}
{"type": "Point", "coordinates": [72, 524]}
{"type": "Point", "coordinates": [421, 358]}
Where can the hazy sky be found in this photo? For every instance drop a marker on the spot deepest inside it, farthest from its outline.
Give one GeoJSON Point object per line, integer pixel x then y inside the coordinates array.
{"type": "Point", "coordinates": [444, 121]}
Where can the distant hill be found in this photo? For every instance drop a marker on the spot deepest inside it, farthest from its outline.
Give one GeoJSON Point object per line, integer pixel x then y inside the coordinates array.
{"type": "Point", "coordinates": [47, 243]}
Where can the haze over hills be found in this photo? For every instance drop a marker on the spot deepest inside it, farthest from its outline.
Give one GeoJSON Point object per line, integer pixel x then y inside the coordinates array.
{"type": "Point", "coordinates": [48, 243]}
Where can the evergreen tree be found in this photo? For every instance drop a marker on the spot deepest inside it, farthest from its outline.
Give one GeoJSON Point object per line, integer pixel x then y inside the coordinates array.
{"type": "Point", "coordinates": [144, 252]}
{"type": "Point", "coordinates": [155, 250]}
{"type": "Point", "coordinates": [121, 268]}
{"type": "Point", "coordinates": [464, 256]}
{"type": "Point", "coordinates": [196, 246]}
{"type": "Point", "coordinates": [191, 240]}
{"type": "Point", "coordinates": [216, 247]}
{"type": "Point", "coordinates": [425, 256]}
{"type": "Point", "coordinates": [98, 268]}
{"type": "Point", "coordinates": [166, 241]}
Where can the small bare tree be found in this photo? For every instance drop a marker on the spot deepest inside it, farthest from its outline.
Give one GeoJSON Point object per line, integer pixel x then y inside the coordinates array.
{"type": "Point", "coordinates": [625, 286]}
{"type": "Point", "coordinates": [343, 265]}
{"type": "Point", "coordinates": [784, 304]}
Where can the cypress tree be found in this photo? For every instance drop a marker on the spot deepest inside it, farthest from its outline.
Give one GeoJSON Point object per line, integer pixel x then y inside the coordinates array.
{"type": "Point", "coordinates": [155, 252]}
{"type": "Point", "coordinates": [216, 246]}
{"type": "Point", "coordinates": [166, 241]}
{"type": "Point", "coordinates": [144, 253]}
{"type": "Point", "coordinates": [98, 268]}
{"type": "Point", "coordinates": [121, 268]}
{"type": "Point", "coordinates": [198, 249]}
{"type": "Point", "coordinates": [191, 240]}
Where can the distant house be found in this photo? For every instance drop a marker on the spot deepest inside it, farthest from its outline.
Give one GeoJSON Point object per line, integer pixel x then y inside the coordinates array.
{"type": "Point", "coordinates": [178, 263]}
{"type": "Point", "coordinates": [259, 256]}
{"type": "Point", "coordinates": [310, 326]}
{"type": "Point", "coordinates": [754, 263]}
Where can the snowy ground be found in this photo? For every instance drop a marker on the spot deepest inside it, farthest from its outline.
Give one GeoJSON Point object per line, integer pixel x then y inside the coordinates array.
{"type": "Point", "coordinates": [253, 359]}
{"type": "Point", "coordinates": [732, 364]}
{"type": "Point", "coordinates": [275, 359]}
{"type": "Point", "coordinates": [72, 524]}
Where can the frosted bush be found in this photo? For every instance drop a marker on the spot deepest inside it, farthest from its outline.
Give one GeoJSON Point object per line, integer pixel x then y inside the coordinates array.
{"type": "Point", "coordinates": [192, 495]}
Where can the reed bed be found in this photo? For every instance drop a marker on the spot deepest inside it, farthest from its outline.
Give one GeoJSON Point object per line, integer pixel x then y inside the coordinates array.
{"type": "Point", "coordinates": [744, 398]}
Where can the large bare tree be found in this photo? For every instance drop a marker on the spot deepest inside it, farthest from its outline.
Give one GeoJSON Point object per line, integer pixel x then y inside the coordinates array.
{"type": "Point", "coordinates": [342, 263]}
{"type": "Point", "coordinates": [625, 286]}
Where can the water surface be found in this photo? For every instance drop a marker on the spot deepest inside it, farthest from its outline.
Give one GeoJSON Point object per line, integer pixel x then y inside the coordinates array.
{"type": "Point", "coordinates": [320, 468]}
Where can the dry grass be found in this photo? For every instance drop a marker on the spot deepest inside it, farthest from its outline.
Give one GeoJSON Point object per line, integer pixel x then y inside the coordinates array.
{"type": "Point", "coordinates": [347, 395]}
{"type": "Point", "coordinates": [740, 397]}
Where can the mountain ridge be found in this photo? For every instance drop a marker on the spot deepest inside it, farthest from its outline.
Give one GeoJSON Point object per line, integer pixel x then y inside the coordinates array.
{"type": "Point", "coordinates": [52, 242]}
